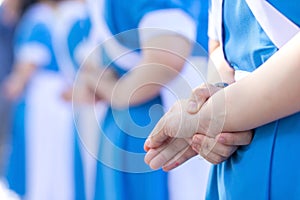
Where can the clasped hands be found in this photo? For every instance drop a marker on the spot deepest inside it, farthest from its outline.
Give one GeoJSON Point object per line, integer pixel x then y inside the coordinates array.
{"type": "Point", "coordinates": [180, 135]}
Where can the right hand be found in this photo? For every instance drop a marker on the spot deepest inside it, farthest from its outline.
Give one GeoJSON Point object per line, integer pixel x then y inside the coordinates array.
{"type": "Point", "coordinates": [179, 150]}
{"type": "Point", "coordinates": [169, 143]}
{"type": "Point", "coordinates": [215, 149]}
{"type": "Point", "coordinates": [13, 87]}
{"type": "Point", "coordinates": [218, 149]}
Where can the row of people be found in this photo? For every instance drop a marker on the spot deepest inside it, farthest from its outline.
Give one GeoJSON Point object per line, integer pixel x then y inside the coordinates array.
{"type": "Point", "coordinates": [259, 40]}
{"type": "Point", "coordinates": [54, 65]}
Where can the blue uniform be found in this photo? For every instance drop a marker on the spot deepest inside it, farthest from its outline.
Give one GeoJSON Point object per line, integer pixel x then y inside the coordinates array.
{"type": "Point", "coordinates": [268, 168]}
{"type": "Point", "coordinates": [29, 30]}
{"type": "Point", "coordinates": [52, 148]}
{"type": "Point", "coordinates": [6, 61]}
{"type": "Point", "coordinates": [79, 32]}
{"type": "Point", "coordinates": [121, 172]}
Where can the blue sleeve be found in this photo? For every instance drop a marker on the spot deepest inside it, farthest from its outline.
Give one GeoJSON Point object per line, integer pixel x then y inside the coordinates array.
{"type": "Point", "coordinates": [32, 32]}
{"type": "Point", "coordinates": [33, 43]}
{"type": "Point", "coordinates": [79, 33]}
{"type": "Point", "coordinates": [125, 15]}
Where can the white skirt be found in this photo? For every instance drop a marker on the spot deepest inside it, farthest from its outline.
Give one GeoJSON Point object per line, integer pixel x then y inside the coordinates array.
{"type": "Point", "coordinates": [49, 140]}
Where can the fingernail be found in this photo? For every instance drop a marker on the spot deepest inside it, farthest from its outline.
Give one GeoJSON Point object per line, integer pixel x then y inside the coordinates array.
{"type": "Point", "coordinates": [192, 106]}
{"type": "Point", "coordinates": [221, 139]}
{"type": "Point", "coordinates": [147, 145]}
{"type": "Point", "coordinates": [146, 148]}
{"type": "Point", "coordinates": [147, 142]}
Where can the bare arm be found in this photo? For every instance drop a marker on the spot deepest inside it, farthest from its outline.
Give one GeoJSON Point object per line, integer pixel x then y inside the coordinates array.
{"type": "Point", "coordinates": [213, 45]}
{"type": "Point", "coordinates": [18, 79]}
{"type": "Point", "coordinates": [268, 94]}
{"type": "Point", "coordinates": [162, 59]}
{"type": "Point", "coordinates": [218, 68]}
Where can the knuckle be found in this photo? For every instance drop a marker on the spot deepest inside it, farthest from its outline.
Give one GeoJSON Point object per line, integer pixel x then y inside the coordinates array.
{"type": "Point", "coordinates": [167, 130]}
{"type": "Point", "coordinates": [230, 139]}
{"type": "Point", "coordinates": [200, 91]}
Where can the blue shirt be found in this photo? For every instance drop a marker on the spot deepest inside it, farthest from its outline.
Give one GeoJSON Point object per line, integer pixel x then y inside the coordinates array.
{"type": "Point", "coordinates": [34, 28]}
{"type": "Point", "coordinates": [6, 46]}
{"type": "Point", "coordinates": [242, 49]}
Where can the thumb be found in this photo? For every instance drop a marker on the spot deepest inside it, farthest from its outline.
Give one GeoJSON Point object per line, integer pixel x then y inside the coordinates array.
{"type": "Point", "coordinates": [200, 96]}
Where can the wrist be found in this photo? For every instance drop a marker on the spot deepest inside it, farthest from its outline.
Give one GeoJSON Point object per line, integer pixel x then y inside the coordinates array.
{"type": "Point", "coordinates": [211, 116]}
{"type": "Point", "coordinates": [221, 84]}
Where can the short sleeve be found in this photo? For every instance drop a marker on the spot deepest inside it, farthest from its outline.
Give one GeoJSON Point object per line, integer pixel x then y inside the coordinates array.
{"type": "Point", "coordinates": [32, 43]}
{"type": "Point", "coordinates": [214, 20]}
{"type": "Point", "coordinates": [174, 20]}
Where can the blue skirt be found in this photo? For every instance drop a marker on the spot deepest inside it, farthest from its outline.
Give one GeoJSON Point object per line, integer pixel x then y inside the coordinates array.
{"type": "Point", "coordinates": [268, 168]}
{"type": "Point", "coordinates": [121, 171]}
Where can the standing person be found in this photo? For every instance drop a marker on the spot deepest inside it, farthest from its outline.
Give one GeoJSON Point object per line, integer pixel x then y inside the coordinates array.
{"type": "Point", "coordinates": [73, 45]}
{"type": "Point", "coordinates": [134, 90]}
{"type": "Point", "coordinates": [9, 16]}
{"type": "Point", "coordinates": [195, 172]}
{"type": "Point", "coordinates": [42, 160]}
{"type": "Point", "coordinates": [271, 158]}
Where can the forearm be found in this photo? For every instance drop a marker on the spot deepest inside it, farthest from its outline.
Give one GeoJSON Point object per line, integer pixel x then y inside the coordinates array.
{"type": "Point", "coordinates": [269, 93]}
{"type": "Point", "coordinates": [218, 68]}
{"type": "Point", "coordinates": [163, 58]}
{"type": "Point", "coordinates": [212, 45]}
{"type": "Point", "coordinates": [23, 72]}
{"type": "Point", "coordinates": [141, 84]}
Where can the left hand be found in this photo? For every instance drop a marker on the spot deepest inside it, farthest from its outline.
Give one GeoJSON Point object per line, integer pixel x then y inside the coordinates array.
{"type": "Point", "coordinates": [179, 150]}
{"type": "Point", "coordinates": [169, 143]}
{"type": "Point", "coordinates": [170, 155]}
{"type": "Point", "coordinates": [100, 81]}
{"type": "Point", "coordinates": [13, 86]}
{"type": "Point", "coordinates": [218, 149]}
{"type": "Point", "coordinates": [182, 120]}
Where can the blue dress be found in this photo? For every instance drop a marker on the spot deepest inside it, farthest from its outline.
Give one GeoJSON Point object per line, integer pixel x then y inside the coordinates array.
{"type": "Point", "coordinates": [268, 168]}
{"type": "Point", "coordinates": [121, 171]}
{"type": "Point", "coordinates": [6, 62]}
{"type": "Point", "coordinates": [35, 32]}
{"type": "Point", "coordinates": [16, 173]}
{"type": "Point", "coordinates": [79, 31]}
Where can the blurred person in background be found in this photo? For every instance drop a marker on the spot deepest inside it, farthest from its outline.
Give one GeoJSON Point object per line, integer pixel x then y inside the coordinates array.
{"type": "Point", "coordinates": [269, 41]}
{"type": "Point", "coordinates": [9, 16]}
{"type": "Point", "coordinates": [73, 46]}
{"type": "Point", "coordinates": [132, 90]}
{"type": "Point", "coordinates": [190, 179]}
{"type": "Point", "coordinates": [42, 160]}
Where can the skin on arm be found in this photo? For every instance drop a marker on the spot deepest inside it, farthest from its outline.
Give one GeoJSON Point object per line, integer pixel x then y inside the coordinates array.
{"type": "Point", "coordinates": [212, 45]}
{"type": "Point", "coordinates": [271, 92]}
{"type": "Point", "coordinates": [177, 151]}
{"type": "Point", "coordinates": [218, 68]}
{"type": "Point", "coordinates": [262, 96]}
{"type": "Point", "coordinates": [171, 150]}
{"type": "Point", "coordinates": [214, 150]}
{"type": "Point", "coordinates": [163, 57]}
{"type": "Point", "coordinates": [18, 79]}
